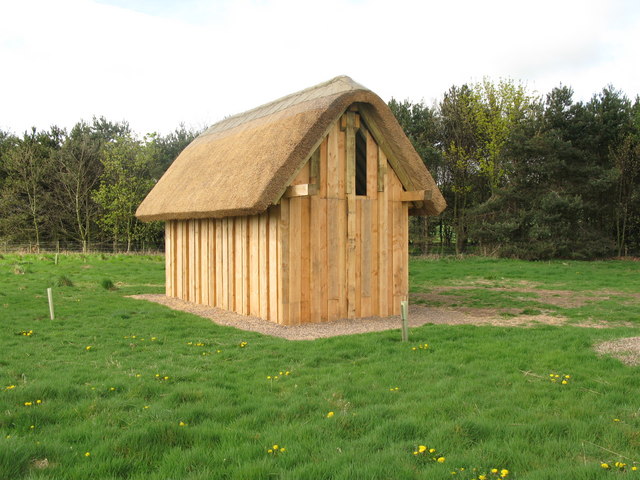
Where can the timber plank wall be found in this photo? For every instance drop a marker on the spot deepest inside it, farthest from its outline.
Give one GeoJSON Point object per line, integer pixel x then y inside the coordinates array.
{"type": "Point", "coordinates": [322, 254]}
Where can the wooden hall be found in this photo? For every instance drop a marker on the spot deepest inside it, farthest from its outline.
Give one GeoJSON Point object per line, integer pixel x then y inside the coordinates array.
{"type": "Point", "coordinates": [296, 211]}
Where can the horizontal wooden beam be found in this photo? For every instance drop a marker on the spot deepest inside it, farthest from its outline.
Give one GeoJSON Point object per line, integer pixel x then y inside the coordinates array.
{"type": "Point", "coordinates": [413, 196]}
{"type": "Point", "coordinates": [302, 190]}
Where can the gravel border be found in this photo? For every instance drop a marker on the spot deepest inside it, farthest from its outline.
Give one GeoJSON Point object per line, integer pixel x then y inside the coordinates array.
{"type": "Point", "coordinates": [418, 315]}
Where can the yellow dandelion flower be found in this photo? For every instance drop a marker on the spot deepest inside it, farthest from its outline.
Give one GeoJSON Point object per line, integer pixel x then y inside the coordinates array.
{"type": "Point", "coordinates": [88, 347]}
{"type": "Point", "coordinates": [146, 406]}
{"type": "Point", "coordinates": [269, 451]}
{"type": "Point", "coordinates": [287, 373]}
{"type": "Point", "coordinates": [422, 448]}
{"type": "Point", "coordinates": [432, 450]}
{"type": "Point", "coordinates": [330, 414]}
{"type": "Point", "coordinates": [616, 419]}
{"type": "Point", "coordinates": [482, 477]}
{"type": "Point", "coordinates": [10, 387]}
{"type": "Point", "coordinates": [494, 470]}
{"type": "Point", "coordinates": [504, 472]}
{"type": "Point", "coordinates": [182, 424]}
{"type": "Point", "coordinates": [38, 402]}
{"type": "Point", "coordinates": [112, 389]}
{"type": "Point", "coordinates": [283, 449]}
{"type": "Point", "coordinates": [275, 447]}
{"type": "Point", "coordinates": [567, 376]}
{"type": "Point", "coordinates": [634, 468]}
{"type": "Point", "coordinates": [268, 377]}
{"type": "Point", "coordinates": [166, 378]}
{"type": "Point", "coordinates": [28, 404]}
{"type": "Point", "coordinates": [413, 348]}
{"type": "Point", "coordinates": [153, 339]}
{"type": "Point", "coordinates": [87, 454]}
{"type": "Point", "coordinates": [441, 459]}
{"type": "Point", "coordinates": [415, 453]}
{"type": "Point", "coordinates": [32, 427]}
{"type": "Point", "coordinates": [604, 465]}
{"type": "Point", "coordinates": [564, 382]}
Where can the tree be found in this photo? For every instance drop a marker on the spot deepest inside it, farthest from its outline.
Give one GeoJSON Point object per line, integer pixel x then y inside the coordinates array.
{"type": "Point", "coordinates": [460, 157]}
{"type": "Point", "coordinates": [78, 169]}
{"type": "Point", "coordinates": [26, 194]}
{"type": "Point", "coordinates": [420, 124]}
{"type": "Point", "coordinates": [124, 183]}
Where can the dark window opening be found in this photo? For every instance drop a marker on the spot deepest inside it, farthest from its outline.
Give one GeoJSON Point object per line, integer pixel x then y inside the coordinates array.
{"type": "Point", "coordinates": [361, 164]}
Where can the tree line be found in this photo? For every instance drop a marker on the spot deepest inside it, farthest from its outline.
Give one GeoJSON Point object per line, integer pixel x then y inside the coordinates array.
{"type": "Point", "coordinates": [82, 187]}
{"type": "Point", "coordinates": [524, 175]}
{"type": "Point", "coordinates": [529, 176]}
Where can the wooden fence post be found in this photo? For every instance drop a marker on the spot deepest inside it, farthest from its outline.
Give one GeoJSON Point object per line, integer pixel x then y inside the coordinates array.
{"type": "Point", "coordinates": [50, 297]}
{"type": "Point", "coordinates": [405, 325]}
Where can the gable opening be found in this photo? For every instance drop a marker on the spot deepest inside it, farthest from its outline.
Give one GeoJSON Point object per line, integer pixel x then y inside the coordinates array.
{"type": "Point", "coordinates": [361, 164]}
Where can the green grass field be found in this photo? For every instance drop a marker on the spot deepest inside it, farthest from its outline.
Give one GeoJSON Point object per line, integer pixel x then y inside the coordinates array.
{"type": "Point", "coordinates": [117, 388]}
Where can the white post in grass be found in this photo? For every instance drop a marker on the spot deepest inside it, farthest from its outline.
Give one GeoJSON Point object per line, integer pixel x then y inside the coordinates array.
{"type": "Point", "coordinates": [405, 325]}
{"type": "Point", "coordinates": [50, 296]}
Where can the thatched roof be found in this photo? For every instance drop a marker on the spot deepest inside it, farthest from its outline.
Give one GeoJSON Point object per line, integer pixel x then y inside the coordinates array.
{"type": "Point", "coordinates": [243, 164]}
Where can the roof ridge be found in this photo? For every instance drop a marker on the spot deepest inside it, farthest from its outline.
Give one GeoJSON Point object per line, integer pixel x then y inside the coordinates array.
{"type": "Point", "coordinates": [282, 103]}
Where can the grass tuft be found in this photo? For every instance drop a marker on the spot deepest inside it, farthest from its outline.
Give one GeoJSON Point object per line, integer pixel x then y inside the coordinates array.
{"type": "Point", "coordinates": [64, 281]}
{"type": "Point", "coordinates": [107, 284]}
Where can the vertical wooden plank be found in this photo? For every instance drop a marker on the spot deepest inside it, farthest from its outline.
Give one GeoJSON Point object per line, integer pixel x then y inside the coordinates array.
{"type": "Point", "coordinates": [383, 244]}
{"type": "Point", "coordinates": [341, 213]}
{"type": "Point", "coordinates": [283, 260]}
{"type": "Point", "coordinates": [263, 264]}
{"type": "Point", "coordinates": [186, 278]}
{"type": "Point", "coordinates": [375, 253]}
{"type": "Point", "coordinates": [333, 164]}
{"type": "Point", "coordinates": [295, 248]}
{"type": "Point", "coordinates": [316, 279]}
{"type": "Point", "coordinates": [365, 257]}
{"type": "Point", "coordinates": [350, 153]}
{"type": "Point", "coordinates": [322, 184]}
{"type": "Point", "coordinates": [372, 167]}
{"type": "Point", "coordinates": [212, 261]}
{"type": "Point", "coordinates": [351, 256]}
{"type": "Point", "coordinates": [239, 265]}
{"type": "Point", "coordinates": [254, 266]}
{"type": "Point", "coordinates": [314, 167]}
{"type": "Point", "coordinates": [397, 227]}
{"type": "Point", "coordinates": [231, 251]}
{"type": "Point", "coordinates": [405, 250]}
{"type": "Point", "coordinates": [168, 259]}
{"type": "Point", "coordinates": [334, 246]}
{"type": "Point", "coordinates": [197, 278]}
{"type": "Point", "coordinates": [342, 164]}
{"type": "Point", "coordinates": [177, 247]}
{"type": "Point", "coordinates": [305, 260]}
{"type": "Point", "coordinates": [204, 262]}
{"type": "Point", "coordinates": [246, 275]}
{"type": "Point", "coordinates": [357, 254]}
{"type": "Point", "coordinates": [225, 264]}
{"type": "Point", "coordinates": [219, 264]}
{"type": "Point", "coordinates": [192, 267]}
{"type": "Point", "coordinates": [273, 263]}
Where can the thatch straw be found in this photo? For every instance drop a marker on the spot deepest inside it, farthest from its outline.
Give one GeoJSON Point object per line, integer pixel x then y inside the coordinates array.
{"type": "Point", "coordinates": [243, 164]}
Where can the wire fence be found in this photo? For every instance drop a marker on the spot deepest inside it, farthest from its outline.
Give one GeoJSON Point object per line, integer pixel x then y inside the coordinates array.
{"type": "Point", "coordinates": [137, 248]}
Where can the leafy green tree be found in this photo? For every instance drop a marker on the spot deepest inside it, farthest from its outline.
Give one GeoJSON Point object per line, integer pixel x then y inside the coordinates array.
{"type": "Point", "coordinates": [124, 183]}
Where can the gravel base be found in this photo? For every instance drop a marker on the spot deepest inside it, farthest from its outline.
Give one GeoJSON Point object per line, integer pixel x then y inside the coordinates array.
{"type": "Point", "coordinates": [418, 315]}
{"type": "Point", "coordinates": [627, 350]}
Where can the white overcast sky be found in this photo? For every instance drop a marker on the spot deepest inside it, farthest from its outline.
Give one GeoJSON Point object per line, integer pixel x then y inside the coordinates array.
{"type": "Point", "coordinates": [157, 63]}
